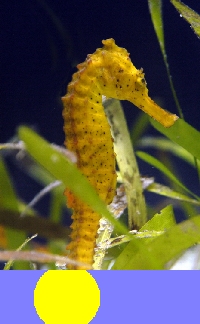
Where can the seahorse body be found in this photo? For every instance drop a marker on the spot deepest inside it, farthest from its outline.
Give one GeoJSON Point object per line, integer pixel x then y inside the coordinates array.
{"type": "Point", "coordinates": [110, 72]}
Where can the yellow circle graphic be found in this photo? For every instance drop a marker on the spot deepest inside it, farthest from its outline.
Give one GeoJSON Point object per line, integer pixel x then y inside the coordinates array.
{"type": "Point", "coordinates": [66, 297]}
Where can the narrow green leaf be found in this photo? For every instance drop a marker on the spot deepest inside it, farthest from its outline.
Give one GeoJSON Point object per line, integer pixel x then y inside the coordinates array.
{"type": "Point", "coordinates": [56, 205]}
{"type": "Point", "coordinates": [186, 136]}
{"type": "Point", "coordinates": [161, 167]}
{"type": "Point", "coordinates": [141, 123]}
{"type": "Point", "coordinates": [113, 242]}
{"type": "Point", "coordinates": [9, 264]}
{"type": "Point", "coordinates": [164, 144]}
{"type": "Point", "coordinates": [192, 17]}
{"type": "Point", "coordinates": [65, 171]}
{"type": "Point", "coordinates": [168, 192]}
{"type": "Point", "coordinates": [8, 199]}
{"type": "Point", "coordinates": [183, 134]}
{"type": "Point", "coordinates": [155, 8]}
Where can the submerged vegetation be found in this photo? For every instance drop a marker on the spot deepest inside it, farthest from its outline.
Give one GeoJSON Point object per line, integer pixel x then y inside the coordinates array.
{"type": "Point", "coordinates": [158, 240]}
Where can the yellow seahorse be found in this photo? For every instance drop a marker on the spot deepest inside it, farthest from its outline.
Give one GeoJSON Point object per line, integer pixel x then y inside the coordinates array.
{"type": "Point", "coordinates": [110, 72]}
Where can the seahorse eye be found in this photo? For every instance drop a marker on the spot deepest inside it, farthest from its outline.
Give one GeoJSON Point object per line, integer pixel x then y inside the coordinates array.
{"type": "Point", "coordinates": [140, 82]}
{"type": "Point", "coordinates": [143, 81]}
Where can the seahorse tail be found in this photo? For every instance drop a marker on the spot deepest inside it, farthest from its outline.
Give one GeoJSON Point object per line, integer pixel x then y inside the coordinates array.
{"type": "Point", "coordinates": [83, 238]}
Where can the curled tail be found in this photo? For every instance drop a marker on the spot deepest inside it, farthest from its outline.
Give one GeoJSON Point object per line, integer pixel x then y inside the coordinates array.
{"type": "Point", "coordinates": [83, 238]}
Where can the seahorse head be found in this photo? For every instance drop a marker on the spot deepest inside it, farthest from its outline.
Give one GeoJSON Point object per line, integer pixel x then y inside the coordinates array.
{"type": "Point", "coordinates": [117, 76]}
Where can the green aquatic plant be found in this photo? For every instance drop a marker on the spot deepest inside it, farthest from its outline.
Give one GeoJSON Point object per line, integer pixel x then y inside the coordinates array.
{"type": "Point", "coordinates": [158, 241]}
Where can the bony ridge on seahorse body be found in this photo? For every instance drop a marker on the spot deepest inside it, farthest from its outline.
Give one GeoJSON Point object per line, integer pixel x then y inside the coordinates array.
{"type": "Point", "coordinates": [109, 72]}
